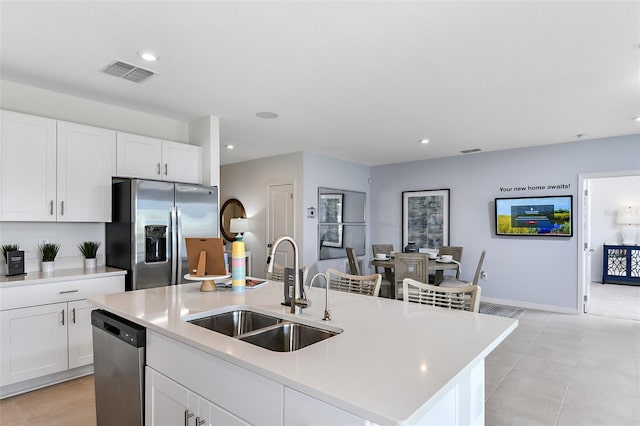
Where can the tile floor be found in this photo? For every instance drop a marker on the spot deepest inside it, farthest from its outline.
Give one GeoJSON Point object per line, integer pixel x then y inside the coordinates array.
{"type": "Point", "coordinates": [554, 369]}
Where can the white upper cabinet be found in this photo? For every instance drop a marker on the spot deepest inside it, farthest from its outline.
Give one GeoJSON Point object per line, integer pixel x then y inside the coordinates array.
{"type": "Point", "coordinates": [27, 167]}
{"type": "Point", "coordinates": [86, 163]}
{"type": "Point", "coordinates": [54, 171]}
{"type": "Point", "coordinates": [150, 158]}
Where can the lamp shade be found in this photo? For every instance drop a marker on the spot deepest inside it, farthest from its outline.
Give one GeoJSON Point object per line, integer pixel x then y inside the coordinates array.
{"type": "Point", "coordinates": [628, 216]}
{"type": "Point", "coordinates": [239, 225]}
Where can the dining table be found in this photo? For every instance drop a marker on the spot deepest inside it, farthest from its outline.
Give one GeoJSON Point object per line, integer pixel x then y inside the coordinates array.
{"type": "Point", "coordinates": [436, 266]}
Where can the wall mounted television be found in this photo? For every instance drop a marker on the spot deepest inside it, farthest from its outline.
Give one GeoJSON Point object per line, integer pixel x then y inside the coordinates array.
{"type": "Point", "coordinates": [549, 216]}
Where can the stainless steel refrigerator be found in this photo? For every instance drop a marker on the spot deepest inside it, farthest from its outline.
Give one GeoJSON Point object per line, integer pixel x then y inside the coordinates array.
{"type": "Point", "coordinates": [150, 221]}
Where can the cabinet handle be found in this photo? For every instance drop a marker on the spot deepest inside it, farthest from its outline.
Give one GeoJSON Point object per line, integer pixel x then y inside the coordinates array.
{"type": "Point", "coordinates": [166, 169]}
{"type": "Point", "coordinates": [200, 421]}
{"type": "Point", "coordinates": [158, 168]}
{"type": "Point", "coordinates": [51, 208]}
{"type": "Point", "coordinates": [62, 314]}
{"type": "Point", "coordinates": [187, 416]}
{"type": "Point", "coordinates": [61, 208]}
{"type": "Point", "coordinates": [67, 291]}
{"type": "Point", "coordinates": [73, 315]}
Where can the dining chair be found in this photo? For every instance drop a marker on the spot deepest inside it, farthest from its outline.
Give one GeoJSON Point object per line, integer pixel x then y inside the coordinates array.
{"type": "Point", "coordinates": [354, 266]}
{"type": "Point", "coordinates": [278, 273]}
{"type": "Point", "coordinates": [455, 282]}
{"type": "Point", "coordinates": [410, 265]}
{"type": "Point", "coordinates": [465, 298]}
{"type": "Point", "coordinates": [362, 284]}
{"type": "Point", "coordinates": [455, 251]}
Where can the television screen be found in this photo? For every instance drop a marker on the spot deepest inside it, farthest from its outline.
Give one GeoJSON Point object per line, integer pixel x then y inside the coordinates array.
{"type": "Point", "coordinates": [535, 216]}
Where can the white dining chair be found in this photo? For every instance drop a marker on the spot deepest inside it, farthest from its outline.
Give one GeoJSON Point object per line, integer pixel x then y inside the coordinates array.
{"type": "Point", "coordinates": [465, 298]}
{"type": "Point", "coordinates": [362, 284]}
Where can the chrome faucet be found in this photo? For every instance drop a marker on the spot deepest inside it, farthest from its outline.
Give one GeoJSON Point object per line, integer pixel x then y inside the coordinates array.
{"type": "Point", "coordinates": [327, 313]}
{"type": "Point", "coordinates": [297, 300]}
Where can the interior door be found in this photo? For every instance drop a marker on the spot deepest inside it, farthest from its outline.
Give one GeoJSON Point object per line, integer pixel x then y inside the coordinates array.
{"type": "Point", "coordinates": [281, 221]}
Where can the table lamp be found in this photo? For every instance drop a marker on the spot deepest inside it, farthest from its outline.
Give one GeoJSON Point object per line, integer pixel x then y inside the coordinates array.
{"type": "Point", "coordinates": [628, 218]}
{"type": "Point", "coordinates": [239, 226]}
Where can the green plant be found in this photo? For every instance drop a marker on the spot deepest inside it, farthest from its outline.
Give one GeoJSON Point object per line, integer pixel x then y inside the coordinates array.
{"type": "Point", "coordinates": [89, 249]}
{"type": "Point", "coordinates": [7, 248]}
{"type": "Point", "coordinates": [49, 251]}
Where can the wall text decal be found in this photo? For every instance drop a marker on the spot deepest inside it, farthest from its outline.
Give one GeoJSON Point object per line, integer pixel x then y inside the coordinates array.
{"type": "Point", "coordinates": [535, 187]}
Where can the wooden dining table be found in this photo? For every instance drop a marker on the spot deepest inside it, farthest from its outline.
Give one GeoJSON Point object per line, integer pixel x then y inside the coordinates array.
{"type": "Point", "coordinates": [435, 267]}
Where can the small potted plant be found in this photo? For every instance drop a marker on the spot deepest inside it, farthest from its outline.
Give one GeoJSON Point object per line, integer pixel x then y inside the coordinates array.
{"type": "Point", "coordinates": [48, 253]}
{"type": "Point", "coordinates": [6, 248]}
{"type": "Point", "coordinates": [89, 250]}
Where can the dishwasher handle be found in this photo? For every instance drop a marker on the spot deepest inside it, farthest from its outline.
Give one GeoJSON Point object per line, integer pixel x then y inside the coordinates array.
{"type": "Point", "coordinates": [120, 328]}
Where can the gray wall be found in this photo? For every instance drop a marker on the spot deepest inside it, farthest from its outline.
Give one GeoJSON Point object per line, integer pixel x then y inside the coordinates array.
{"type": "Point", "coordinates": [525, 271]}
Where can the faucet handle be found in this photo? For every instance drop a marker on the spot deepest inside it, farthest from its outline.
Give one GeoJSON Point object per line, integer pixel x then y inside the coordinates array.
{"type": "Point", "coordinates": [303, 303]}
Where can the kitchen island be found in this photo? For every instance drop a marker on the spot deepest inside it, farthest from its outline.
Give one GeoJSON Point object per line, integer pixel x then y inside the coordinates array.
{"type": "Point", "coordinates": [392, 362]}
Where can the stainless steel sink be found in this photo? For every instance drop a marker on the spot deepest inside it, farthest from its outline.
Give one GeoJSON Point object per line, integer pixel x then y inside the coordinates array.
{"type": "Point", "coordinates": [287, 337]}
{"type": "Point", "coordinates": [266, 331]}
{"type": "Point", "coordinates": [235, 323]}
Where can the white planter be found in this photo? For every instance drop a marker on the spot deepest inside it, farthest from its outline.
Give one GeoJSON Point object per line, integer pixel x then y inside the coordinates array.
{"type": "Point", "coordinates": [48, 266]}
{"type": "Point", "coordinates": [90, 263]}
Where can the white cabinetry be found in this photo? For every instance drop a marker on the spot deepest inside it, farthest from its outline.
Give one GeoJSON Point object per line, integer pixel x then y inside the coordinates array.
{"type": "Point", "coordinates": [300, 409]}
{"type": "Point", "coordinates": [46, 328]}
{"type": "Point", "coordinates": [169, 403]}
{"type": "Point", "coordinates": [54, 170]}
{"type": "Point", "coordinates": [150, 158]}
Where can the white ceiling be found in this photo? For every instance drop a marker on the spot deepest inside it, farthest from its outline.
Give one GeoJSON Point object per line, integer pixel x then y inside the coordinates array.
{"type": "Point", "coordinates": [361, 81]}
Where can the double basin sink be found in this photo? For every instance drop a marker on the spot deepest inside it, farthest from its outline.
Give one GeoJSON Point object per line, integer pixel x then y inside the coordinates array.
{"type": "Point", "coordinates": [266, 331]}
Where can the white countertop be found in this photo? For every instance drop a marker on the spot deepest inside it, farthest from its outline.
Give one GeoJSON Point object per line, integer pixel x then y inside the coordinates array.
{"type": "Point", "coordinates": [388, 364]}
{"type": "Point", "coordinates": [37, 277]}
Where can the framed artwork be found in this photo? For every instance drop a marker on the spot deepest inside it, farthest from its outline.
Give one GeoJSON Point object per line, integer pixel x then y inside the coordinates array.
{"type": "Point", "coordinates": [425, 218]}
{"type": "Point", "coordinates": [331, 235]}
{"type": "Point", "coordinates": [331, 208]}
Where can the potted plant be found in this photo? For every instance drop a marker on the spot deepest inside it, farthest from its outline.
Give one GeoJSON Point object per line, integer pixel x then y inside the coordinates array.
{"type": "Point", "coordinates": [6, 248]}
{"type": "Point", "coordinates": [89, 250]}
{"type": "Point", "coordinates": [48, 253]}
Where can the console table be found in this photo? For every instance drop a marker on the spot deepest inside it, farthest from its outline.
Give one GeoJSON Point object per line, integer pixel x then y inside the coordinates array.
{"type": "Point", "coordinates": [621, 265]}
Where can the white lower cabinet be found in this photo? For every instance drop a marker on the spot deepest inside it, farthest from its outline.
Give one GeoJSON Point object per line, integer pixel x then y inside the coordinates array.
{"type": "Point", "coordinates": [46, 329]}
{"type": "Point", "coordinates": [169, 403]}
{"type": "Point", "coordinates": [301, 409]}
{"type": "Point", "coordinates": [34, 342]}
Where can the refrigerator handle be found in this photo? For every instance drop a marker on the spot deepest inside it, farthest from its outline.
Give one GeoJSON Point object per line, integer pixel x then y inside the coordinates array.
{"type": "Point", "coordinates": [178, 244]}
{"type": "Point", "coordinates": [173, 244]}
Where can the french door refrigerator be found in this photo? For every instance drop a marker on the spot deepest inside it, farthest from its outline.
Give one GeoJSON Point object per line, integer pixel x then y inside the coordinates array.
{"type": "Point", "coordinates": [150, 221]}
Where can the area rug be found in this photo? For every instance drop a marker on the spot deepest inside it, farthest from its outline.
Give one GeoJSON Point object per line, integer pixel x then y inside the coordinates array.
{"type": "Point", "coordinates": [501, 311]}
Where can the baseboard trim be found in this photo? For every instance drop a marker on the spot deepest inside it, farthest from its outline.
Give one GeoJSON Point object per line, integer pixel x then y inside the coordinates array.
{"type": "Point", "coordinates": [527, 305]}
{"type": "Point", "coordinates": [42, 382]}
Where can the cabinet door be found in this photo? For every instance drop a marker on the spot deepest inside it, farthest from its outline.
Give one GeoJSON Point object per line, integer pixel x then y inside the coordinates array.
{"type": "Point", "coordinates": [209, 414]}
{"type": "Point", "coordinates": [138, 156]}
{"type": "Point", "coordinates": [80, 333]}
{"type": "Point", "coordinates": [86, 163]}
{"type": "Point", "coordinates": [300, 409]}
{"type": "Point", "coordinates": [181, 162]}
{"type": "Point", "coordinates": [34, 342]}
{"type": "Point", "coordinates": [27, 167]}
{"type": "Point", "coordinates": [166, 402]}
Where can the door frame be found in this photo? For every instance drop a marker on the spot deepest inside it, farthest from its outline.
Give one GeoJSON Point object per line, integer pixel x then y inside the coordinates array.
{"type": "Point", "coordinates": [582, 183]}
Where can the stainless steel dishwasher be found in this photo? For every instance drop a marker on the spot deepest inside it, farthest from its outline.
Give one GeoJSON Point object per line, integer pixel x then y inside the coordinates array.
{"type": "Point", "coordinates": [118, 364]}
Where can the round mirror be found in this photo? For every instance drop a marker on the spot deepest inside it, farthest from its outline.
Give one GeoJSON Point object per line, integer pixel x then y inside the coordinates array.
{"type": "Point", "coordinates": [231, 209]}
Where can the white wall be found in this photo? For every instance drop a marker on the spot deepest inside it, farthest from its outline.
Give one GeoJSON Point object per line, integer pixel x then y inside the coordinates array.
{"type": "Point", "coordinates": [607, 195]}
{"type": "Point", "coordinates": [32, 100]}
{"type": "Point", "coordinates": [248, 181]}
{"type": "Point", "coordinates": [526, 271]}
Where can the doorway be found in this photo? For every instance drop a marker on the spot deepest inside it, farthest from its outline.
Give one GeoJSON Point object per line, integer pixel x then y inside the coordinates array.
{"type": "Point", "coordinates": [600, 196]}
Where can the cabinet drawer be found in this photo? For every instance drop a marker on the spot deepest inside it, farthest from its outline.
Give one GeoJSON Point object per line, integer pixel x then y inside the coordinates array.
{"type": "Point", "coordinates": [216, 380]}
{"type": "Point", "coordinates": [42, 294]}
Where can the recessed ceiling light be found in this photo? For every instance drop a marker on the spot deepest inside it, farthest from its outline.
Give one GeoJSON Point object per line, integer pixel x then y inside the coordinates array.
{"type": "Point", "coordinates": [637, 118]}
{"type": "Point", "coordinates": [424, 141]}
{"type": "Point", "coordinates": [266, 114]}
{"type": "Point", "coordinates": [148, 55]}
{"type": "Point", "coordinates": [229, 146]}
{"type": "Point", "coordinates": [582, 135]}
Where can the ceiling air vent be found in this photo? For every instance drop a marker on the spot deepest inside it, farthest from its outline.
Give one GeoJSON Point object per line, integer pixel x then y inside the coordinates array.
{"type": "Point", "coordinates": [469, 151]}
{"type": "Point", "coordinates": [127, 71]}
